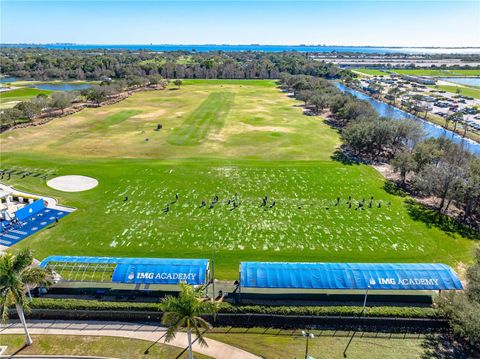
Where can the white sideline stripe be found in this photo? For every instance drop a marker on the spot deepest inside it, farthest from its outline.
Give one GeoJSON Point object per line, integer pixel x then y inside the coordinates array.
{"type": "Point", "coordinates": [9, 236]}
{"type": "Point", "coordinates": [18, 232]}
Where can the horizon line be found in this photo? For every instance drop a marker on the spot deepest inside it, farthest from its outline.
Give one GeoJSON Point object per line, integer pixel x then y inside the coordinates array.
{"type": "Point", "coordinates": [244, 44]}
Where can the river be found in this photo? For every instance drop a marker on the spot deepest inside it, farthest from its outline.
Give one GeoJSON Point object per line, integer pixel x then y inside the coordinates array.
{"type": "Point", "coordinates": [257, 47]}
{"type": "Point", "coordinates": [64, 86]}
{"type": "Point", "coordinates": [469, 81]}
{"type": "Point", "coordinates": [431, 129]}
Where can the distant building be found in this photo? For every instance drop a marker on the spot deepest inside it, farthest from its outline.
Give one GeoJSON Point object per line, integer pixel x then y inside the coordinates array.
{"type": "Point", "coordinates": [419, 79]}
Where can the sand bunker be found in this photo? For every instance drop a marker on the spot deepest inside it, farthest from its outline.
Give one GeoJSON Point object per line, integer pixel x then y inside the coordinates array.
{"type": "Point", "coordinates": [72, 183]}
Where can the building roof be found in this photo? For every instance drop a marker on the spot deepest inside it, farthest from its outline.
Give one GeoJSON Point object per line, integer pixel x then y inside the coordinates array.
{"type": "Point", "coordinates": [135, 270]}
{"type": "Point", "coordinates": [362, 276]}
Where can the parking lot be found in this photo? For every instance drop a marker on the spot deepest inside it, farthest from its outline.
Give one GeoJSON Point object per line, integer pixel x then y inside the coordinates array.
{"type": "Point", "coordinates": [424, 98]}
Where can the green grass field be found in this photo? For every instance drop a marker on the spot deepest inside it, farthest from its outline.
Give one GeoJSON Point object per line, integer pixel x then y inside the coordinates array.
{"type": "Point", "coordinates": [373, 72]}
{"type": "Point", "coordinates": [10, 98]}
{"type": "Point", "coordinates": [277, 344]}
{"type": "Point", "coordinates": [438, 72]}
{"type": "Point", "coordinates": [74, 345]}
{"type": "Point", "coordinates": [421, 72]}
{"type": "Point", "coordinates": [229, 137]}
{"type": "Point", "coordinates": [465, 91]}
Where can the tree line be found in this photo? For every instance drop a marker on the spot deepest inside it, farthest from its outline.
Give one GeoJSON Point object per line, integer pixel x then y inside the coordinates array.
{"type": "Point", "coordinates": [463, 308]}
{"type": "Point", "coordinates": [427, 166]}
{"type": "Point", "coordinates": [47, 64]}
{"type": "Point", "coordinates": [26, 111]}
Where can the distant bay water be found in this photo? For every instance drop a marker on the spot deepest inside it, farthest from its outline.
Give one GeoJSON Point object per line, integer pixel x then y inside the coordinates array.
{"type": "Point", "coordinates": [265, 48]}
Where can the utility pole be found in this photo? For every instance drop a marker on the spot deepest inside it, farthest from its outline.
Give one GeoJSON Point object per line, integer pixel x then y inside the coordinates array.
{"type": "Point", "coordinates": [308, 336]}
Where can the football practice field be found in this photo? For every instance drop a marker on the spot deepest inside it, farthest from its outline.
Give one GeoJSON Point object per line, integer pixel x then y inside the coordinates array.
{"type": "Point", "coordinates": [224, 146]}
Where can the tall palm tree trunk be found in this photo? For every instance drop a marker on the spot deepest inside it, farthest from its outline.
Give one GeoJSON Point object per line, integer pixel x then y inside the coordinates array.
{"type": "Point", "coordinates": [29, 293]}
{"type": "Point", "coordinates": [21, 315]}
{"type": "Point", "coordinates": [190, 350]}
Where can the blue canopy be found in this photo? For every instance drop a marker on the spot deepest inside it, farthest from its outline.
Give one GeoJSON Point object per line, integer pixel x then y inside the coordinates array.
{"type": "Point", "coordinates": [30, 210]}
{"type": "Point", "coordinates": [374, 276]}
{"type": "Point", "coordinates": [145, 270]}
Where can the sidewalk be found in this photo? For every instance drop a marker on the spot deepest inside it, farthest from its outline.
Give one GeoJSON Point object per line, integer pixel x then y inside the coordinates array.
{"type": "Point", "coordinates": [150, 333]}
{"type": "Point", "coordinates": [52, 202]}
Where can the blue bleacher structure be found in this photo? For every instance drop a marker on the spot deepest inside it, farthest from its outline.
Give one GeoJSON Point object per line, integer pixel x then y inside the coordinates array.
{"type": "Point", "coordinates": [28, 220]}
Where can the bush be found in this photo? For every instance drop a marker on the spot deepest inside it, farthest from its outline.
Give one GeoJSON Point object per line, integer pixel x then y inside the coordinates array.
{"type": "Point", "coordinates": [395, 312]}
{"type": "Point", "coordinates": [392, 188]}
{"type": "Point", "coordinates": [81, 304]}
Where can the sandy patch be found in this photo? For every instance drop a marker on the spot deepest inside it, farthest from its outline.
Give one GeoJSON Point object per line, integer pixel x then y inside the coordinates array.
{"type": "Point", "coordinates": [265, 128]}
{"type": "Point", "coordinates": [216, 137]}
{"type": "Point", "coordinates": [72, 183]}
{"type": "Point", "coordinates": [150, 114]}
{"type": "Point", "coordinates": [387, 171]}
{"type": "Point", "coordinates": [242, 127]}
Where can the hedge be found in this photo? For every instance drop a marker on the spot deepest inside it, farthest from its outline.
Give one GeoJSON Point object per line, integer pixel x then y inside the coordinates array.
{"type": "Point", "coordinates": [392, 312]}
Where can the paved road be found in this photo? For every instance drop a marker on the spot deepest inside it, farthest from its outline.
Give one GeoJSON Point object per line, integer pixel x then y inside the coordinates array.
{"type": "Point", "coordinates": [150, 333]}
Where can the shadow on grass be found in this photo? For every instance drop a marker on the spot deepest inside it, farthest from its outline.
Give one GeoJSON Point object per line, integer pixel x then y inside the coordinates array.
{"type": "Point", "coordinates": [432, 218]}
{"type": "Point", "coordinates": [446, 347]}
{"type": "Point", "coordinates": [341, 157]}
{"type": "Point", "coordinates": [391, 188]}
{"type": "Point", "coordinates": [18, 351]}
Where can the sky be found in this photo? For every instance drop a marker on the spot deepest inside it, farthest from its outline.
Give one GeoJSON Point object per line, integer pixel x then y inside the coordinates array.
{"type": "Point", "coordinates": [375, 23]}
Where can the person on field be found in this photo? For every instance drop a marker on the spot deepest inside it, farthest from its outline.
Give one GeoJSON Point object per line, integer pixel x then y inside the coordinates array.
{"type": "Point", "coordinates": [264, 201]}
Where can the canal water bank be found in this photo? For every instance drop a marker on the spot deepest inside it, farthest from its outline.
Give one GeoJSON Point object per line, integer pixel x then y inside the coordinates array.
{"type": "Point", "coordinates": [46, 85]}
{"type": "Point", "coordinates": [432, 130]}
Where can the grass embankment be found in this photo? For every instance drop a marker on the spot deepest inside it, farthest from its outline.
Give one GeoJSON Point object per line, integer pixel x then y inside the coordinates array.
{"type": "Point", "coordinates": [111, 347]}
{"type": "Point", "coordinates": [278, 344]}
{"type": "Point", "coordinates": [262, 146]}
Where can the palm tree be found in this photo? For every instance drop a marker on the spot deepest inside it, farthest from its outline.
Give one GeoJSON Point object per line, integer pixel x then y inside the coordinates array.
{"type": "Point", "coordinates": [16, 273]}
{"type": "Point", "coordinates": [185, 311]}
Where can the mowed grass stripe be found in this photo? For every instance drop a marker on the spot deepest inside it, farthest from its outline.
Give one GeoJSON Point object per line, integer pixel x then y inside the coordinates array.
{"type": "Point", "coordinates": [207, 117]}
{"type": "Point", "coordinates": [116, 118]}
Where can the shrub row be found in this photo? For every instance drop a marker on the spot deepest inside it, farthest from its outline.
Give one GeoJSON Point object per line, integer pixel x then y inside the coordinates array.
{"type": "Point", "coordinates": [393, 312]}
{"type": "Point", "coordinates": [81, 304]}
